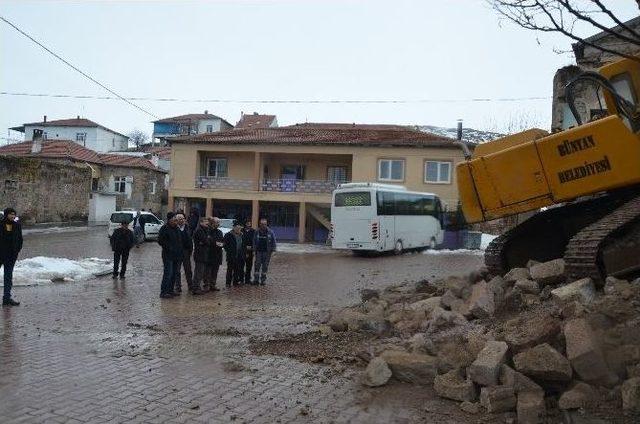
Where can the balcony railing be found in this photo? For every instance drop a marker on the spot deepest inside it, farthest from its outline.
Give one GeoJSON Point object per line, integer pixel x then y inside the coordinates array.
{"type": "Point", "coordinates": [224, 183]}
{"type": "Point", "coordinates": [271, 185]}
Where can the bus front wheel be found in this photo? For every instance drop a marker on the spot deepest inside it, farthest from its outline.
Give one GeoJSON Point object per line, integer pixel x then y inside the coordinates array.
{"type": "Point", "coordinates": [398, 247]}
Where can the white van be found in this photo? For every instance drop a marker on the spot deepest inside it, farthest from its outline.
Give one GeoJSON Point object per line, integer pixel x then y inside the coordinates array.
{"type": "Point", "coordinates": [383, 217]}
{"type": "Point", "coordinates": [151, 222]}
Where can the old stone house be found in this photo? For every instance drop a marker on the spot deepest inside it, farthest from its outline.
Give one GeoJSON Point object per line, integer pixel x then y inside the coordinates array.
{"type": "Point", "coordinates": [588, 58]}
{"type": "Point", "coordinates": [135, 182]}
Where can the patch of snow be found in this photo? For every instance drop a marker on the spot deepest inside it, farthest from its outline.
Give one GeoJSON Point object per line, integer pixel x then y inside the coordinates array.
{"type": "Point", "coordinates": [453, 252]}
{"type": "Point", "coordinates": [468, 134]}
{"type": "Point", "coordinates": [485, 240]}
{"type": "Point", "coordinates": [42, 269]}
{"type": "Point", "coordinates": [303, 248]}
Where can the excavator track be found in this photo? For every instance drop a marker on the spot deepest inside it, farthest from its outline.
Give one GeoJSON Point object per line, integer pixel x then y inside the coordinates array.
{"type": "Point", "coordinates": [547, 234]}
{"type": "Point", "coordinates": [583, 254]}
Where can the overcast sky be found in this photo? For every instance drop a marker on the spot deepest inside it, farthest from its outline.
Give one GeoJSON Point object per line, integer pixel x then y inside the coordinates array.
{"type": "Point", "coordinates": [279, 50]}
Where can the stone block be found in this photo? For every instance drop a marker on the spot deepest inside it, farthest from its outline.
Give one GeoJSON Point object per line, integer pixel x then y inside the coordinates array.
{"type": "Point", "coordinates": [517, 274]}
{"type": "Point", "coordinates": [630, 391]}
{"type": "Point", "coordinates": [527, 286]}
{"type": "Point", "coordinates": [520, 334]}
{"type": "Point", "coordinates": [411, 367]}
{"type": "Point", "coordinates": [531, 408]}
{"type": "Point", "coordinates": [583, 291]}
{"type": "Point", "coordinates": [548, 273]}
{"type": "Point", "coordinates": [481, 302]}
{"type": "Point", "coordinates": [441, 319]}
{"type": "Point", "coordinates": [581, 395]}
{"type": "Point", "coordinates": [544, 364]}
{"type": "Point", "coordinates": [426, 306]}
{"type": "Point", "coordinates": [459, 286]}
{"type": "Point", "coordinates": [448, 299]}
{"type": "Point", "coordinates": [470, 407]}
{"type": "Point", "coordinates": [585, 354]}
{"type": "Point", "coordinates": [453, 385]}
{"type": "Point", "coordinates": [485, 370]}
{"type": "Point", "coordinates": [519, 382]}
{"type": "Point", "coordinates": [377, 373]}
{"type": "Point", "coordinates": [366, 294]}
{"type": "Point", "coordinates": [498, 399]}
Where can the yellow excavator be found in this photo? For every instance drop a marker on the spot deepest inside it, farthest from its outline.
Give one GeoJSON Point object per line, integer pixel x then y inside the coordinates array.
{"type": "Point", "coordinates": [584, 183]}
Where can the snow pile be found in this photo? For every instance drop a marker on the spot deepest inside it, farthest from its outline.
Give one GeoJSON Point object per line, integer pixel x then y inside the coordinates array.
{"type": "Point", "coordinates": [303, 248]}
{"type": "Point", "coordinates": [453, 252]}
{"type": "Point", "coordinates": [485, 240]}
{"type": "Point", "coordinates": [41, 269]}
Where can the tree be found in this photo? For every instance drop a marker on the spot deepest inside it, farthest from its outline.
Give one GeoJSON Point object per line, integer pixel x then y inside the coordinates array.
{"type": "Point", "coordinates": [567, 17]}
{"type": "Point", "coordinates": [138, 138]}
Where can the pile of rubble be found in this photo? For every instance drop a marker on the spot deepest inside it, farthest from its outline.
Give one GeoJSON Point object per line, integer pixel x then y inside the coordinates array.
{"type": "Point", "coordinates": [529, 343]}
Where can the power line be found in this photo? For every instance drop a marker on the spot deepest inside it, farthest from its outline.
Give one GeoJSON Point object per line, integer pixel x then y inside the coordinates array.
{"type": "Point", "coordinates": [76, 68]}
{"type": "Point", "coordinates": [275, 101]}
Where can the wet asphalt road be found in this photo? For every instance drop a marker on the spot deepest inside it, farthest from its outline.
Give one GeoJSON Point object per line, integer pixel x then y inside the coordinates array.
{"type": "Point", "coordinates": [105, 351]}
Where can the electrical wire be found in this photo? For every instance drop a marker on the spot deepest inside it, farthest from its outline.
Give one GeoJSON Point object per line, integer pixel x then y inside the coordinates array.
{"type": "Point", "coordinates": [84, 74]}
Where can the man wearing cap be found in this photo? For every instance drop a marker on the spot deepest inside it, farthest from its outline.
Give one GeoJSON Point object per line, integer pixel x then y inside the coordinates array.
{"type": "Point", "coordinates": [170, 240]}
{"type": "Point", "coordinates": [10, 246]}
{"type": "Point", "coordinates": [235, 250]}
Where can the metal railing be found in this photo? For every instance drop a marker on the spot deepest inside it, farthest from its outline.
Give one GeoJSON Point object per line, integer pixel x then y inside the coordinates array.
{"type": "Point", "coordinates": [271, 185]}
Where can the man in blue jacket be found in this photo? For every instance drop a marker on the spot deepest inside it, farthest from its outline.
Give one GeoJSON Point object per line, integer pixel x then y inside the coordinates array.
{"type": "Point", "coordinates": [264, 244]}
{"type": "Point", "coordinates": [10, 246]}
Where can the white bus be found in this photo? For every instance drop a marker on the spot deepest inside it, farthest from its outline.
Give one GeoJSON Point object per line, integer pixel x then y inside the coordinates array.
{"type": "Point", "coordinates": [382, 217]}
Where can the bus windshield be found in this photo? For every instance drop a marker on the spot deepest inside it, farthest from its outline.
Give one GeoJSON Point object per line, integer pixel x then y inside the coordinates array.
{"type": "Point", "coordinates": [354, 198]}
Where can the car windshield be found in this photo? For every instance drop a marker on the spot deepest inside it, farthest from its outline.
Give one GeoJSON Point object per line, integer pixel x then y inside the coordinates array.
{"type": "Point", "coordinates": [226, 223]}
{"type": "Point", "coordinates": [120, 217]}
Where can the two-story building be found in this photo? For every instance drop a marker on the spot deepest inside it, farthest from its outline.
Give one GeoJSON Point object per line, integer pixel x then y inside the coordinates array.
{"type": "Point", "coordinates": [287, 174]}
{"type": "Point", "coordinates": [83, 131]}
{"type": "Point", "coordinates": [194, 123]}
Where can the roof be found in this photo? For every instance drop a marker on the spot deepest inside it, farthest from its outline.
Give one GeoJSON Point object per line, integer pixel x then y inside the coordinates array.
{"type": "Point", "coordinates": [255, 120]}
{"type": "Point", "coordinates": [344, 126]}
{"type": "Point", "coordinates": [191, 117]}
{"type": "Point", "coordinates": [163, 152]}
{"type": "Point", "coordinates": [301, 135]}
{"type": "Point", "coordinates": [69, 150]}
{"type": "Point", "coordinates": [74, 122]}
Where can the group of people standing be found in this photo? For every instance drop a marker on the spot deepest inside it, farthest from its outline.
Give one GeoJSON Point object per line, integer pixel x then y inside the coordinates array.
{"type": "Point", "coordinates": [204, 243]}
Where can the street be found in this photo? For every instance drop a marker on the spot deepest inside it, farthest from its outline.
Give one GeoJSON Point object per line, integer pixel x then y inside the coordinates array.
{"type": "Point", "coordinates": [103, 350]}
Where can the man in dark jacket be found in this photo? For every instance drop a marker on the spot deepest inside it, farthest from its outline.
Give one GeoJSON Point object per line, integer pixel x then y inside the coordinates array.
{"type": "Point", "coordinates": [187, 246]}
{"type": "Point", "coordinates": [215, 252]}
{"type": "Point", "coordinates": [264, 244]}
{"type": "Point", "coordinates": [10, 246]}
{"type": "Point", "coordinates": [202, 241]}
{"type": "Point", "coordinates": [170, 240]}
{"type": "Point", "coordinates": [248, 234]}
{"type": "Point", "coordinates": [122, 240]}
{"type": "Point", "coordinates": [235, 251]}
{"type": "Point", "coordinates": [194, 219]}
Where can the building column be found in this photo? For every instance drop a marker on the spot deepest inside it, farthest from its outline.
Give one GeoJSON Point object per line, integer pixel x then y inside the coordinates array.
{"type": "Point", "coordinates": [257, 171]}
{"type": "Point", "coordinates": [170, 202]}
{"type": "Point", "coordinates": [209, 207]}
{"type": "Point", "coordinates": [302, 222]}
{"type": "Point", "coordinates": [255, 213]}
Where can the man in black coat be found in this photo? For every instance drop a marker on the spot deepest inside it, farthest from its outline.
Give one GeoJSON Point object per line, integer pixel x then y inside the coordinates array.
{"type": "Point", "coordinates": [10, 246]}
{"type": "Point", "coordinates": [235, 251]}
{"type": "Point", "coordinates": [187, 246]}
{"type": "Point", "coordinates": [248, 234]}
{"type": "Point", "coordinates": [170, 240]}
{"type": "Point", "coordinates": [122, 240]}
{"type": "Point", "coordinates": [215, 258]}
{"type": "Point", "coordinates": [202, 241]}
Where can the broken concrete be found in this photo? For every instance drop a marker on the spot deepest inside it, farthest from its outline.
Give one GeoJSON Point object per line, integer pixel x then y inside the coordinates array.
{"type": "Point", "coordinates": [481, 302]}
{"type": "Point", "coordinates": [485, 370]}
{"type": "Point", "coordinates": [585, 354]}
{"type": "Point", "coordinates": [411, 367]}
{"type": "Point", "coordinates": [516, 274]}
{"type": "Point", "coordinates": [426, 306]}
{"type": "Point", "coordinates": [521, 334]}
{"type": "Point", "coordinates": [580, 395]}
{"type": "Point", "coordinates": [377, 373]}
{"type": "Point", "coordinates": [498, 398]}
{"type": "Point", "coordinates": [453, 385]}
{"type": "Point", "coordinates": [543, 364]}
{"type": "Point", "coordinates": [519, 382]}
{"type": "Point", "coordinates": [548, 273]}
{"type": "Point", "coordinates": [583, 291]}
{"type": "Point", "coordinates": [531, 408]}
{"type": "Point", "coordinates": [527, 286]}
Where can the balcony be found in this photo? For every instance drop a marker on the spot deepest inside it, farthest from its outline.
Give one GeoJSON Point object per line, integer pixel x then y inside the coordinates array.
{"type": "Point", "coordinates": [269, 185]}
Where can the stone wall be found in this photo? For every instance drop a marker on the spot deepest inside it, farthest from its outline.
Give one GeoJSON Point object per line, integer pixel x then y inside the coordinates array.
{"type": "Point", "coordinates": [44, 191]}
{"type": "Point", "coordinates": [138, 193]}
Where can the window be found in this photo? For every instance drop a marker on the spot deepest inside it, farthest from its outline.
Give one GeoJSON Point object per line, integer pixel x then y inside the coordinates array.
{"type": "Point", "coordinates": [217, 168]}
{"type": "Point", "coordinates": [120, 184]}
{"type": "Point", "coordinates": [94, 184]}
{"type": "Point", "coordinates": [81, 137]}
{"type": "Point", "coordinates": [337, 174]}
{"type": "Point", "coordinates": [290, 172]}
{"type": "Point", "coordinates": [437, 172]}
{"type": "Point", "coordinates": [152, 190]}
{"type": "Point", "coordinates": [391, 170]}
{"type": "Point", "coordinates": [394, 203]}
{"type": "Point", "coordinates": [209, 128]}
{"type": "Point", "coordinates": [355, 198]}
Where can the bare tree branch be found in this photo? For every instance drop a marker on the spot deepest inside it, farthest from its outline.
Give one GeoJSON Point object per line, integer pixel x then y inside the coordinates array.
{"type": "Point", "coordinates": [615, 19]}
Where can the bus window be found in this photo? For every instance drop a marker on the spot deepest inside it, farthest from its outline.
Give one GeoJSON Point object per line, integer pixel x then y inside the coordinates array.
{"type": "Point", "coordinates": [354, 198]}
